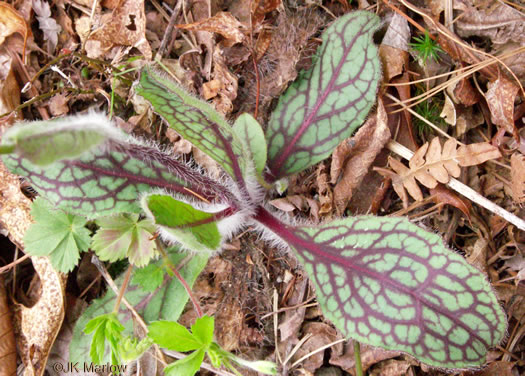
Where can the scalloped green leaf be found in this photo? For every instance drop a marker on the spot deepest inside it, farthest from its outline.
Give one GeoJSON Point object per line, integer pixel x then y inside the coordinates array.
{"type": "Point", "coordinates": [124, 235]}
{"type": "Point", "coordinates": [196, 230]}
{"type": "Point", "coordinates": [251, 133]}
{"type": "Point", "coordinates": [56, 234]}
{"type": "Point", "coordinates": [165, 303]}
{"type": "Point", "coordinates": [45, 142]}
{"type": "Point", "coordinates": [388, 283]}
{"type": "Point", "coordinates": [329, 102]}
{"type": "Point", "coordinates": [195, 120]}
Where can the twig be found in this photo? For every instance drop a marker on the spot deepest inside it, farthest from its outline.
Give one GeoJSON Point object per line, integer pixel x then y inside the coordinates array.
{"type": "Point", "coordinates": [464, 190]}
{"type": "Point", "coordinates": [123, 289]}
{"type": "Point", "coordinates": [169, 30]}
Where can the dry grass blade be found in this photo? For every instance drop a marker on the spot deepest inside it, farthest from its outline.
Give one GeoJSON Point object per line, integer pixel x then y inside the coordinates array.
{"type": "Point", "coordinates": [431, 164]}
{"type": "Point", "coordinates": [517, 165]}
{"type": "Point", "coordinates": [7, 339]}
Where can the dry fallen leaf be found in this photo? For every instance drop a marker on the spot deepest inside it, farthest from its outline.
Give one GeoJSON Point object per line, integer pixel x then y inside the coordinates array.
{"type": "Point", "coordinates": [7, 338]}
{"type": "Point", "coordinates": [321, 335]}
{"type": "Point", "coordinates": [442, 194]}
{"type": "Point", "coordinates": [125, 27]}
{"type": "Point", "coordinates": [500, 99]}
{"type": "Point", "coordinates": [517, 263]}
{"type": "Point", "coordinates": [369, 356]}
{"type": "Point", "coordinates": [393, 50]}
{"type": "Point", "coordinates": [369, 140]}
{"type": "Point", "coordinates": [430, 164]}
{"type": "Point", "coordinates": [46, 23]}
{"type": "Point", "coordinates": [517, 171]}
{"type": "Point", "coordinates": [11, 21]}
{"type": "Point", "coordinates": [58, 104]}
{"type": "Point", "coordinates": [222, 23]}
{"type": "Point", "coordinates": [9, 89]}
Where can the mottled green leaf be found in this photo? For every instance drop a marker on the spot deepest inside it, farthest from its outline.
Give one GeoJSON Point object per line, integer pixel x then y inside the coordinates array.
{"type": "Point", "coordinates": [388, 283]}
{"type": "Point", "coordinates": [251, 133]}
{"type": "Point", "coordinates": [187, 366]}
{"type": "Point", "coordinates": [328, 103]}
{"type": "Point", "coordinates": [109, 180]}
{"type": "Point", "coordinates": [124, 235]}
{"type": "Point", "coordinates": [195, 120]}
{"type": "Point", "coordinates": [194, 229]}
{"type": "Point", "coordinates": [173, 336]}
{"type": "Point", "coordinates": [45, 142]}
{"type": "Point", "coordinates": [166, 303]}
{"type": "Point", "coordinates": [56, 234]}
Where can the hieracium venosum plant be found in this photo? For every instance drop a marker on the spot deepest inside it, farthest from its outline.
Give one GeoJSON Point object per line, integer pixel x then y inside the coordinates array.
{"type": "Point", "coordinates": [380, 280]}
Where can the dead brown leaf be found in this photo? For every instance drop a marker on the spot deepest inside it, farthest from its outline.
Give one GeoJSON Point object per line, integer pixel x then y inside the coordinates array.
{"type": "Point", "coordinates": [369, 140]}
{"type": "Point", "coordinates": [11, 21]}
{"type": "Point", "coordinates": [517, 263]}
{"type": "Point", "coordinates": [442, 194]}
{"type": "Point", "coordinates": [393, 50]}
{"type": "Point", "coordinates": [430, 164]}
{"type": "Point", "coordinates": [369, 356]}
{"type": "Point", "coordinates": [499, 368]}
{"type": "Point", "coordinates": [495, 20]}
{"type": "Point", "coordinates": [500, 99]}
{"type": "Point", "coordinates": [225, 84]}
{"type": "Point", "coordinates": [517, 170]}
{"type": "Point", "coordinates": [391, 367]}
{"type": "Point", "coordinates": [223, 23]}
{"type": "Point", "coordinates": [9, 89]}
{"type": "Point", "coordinates": [261, 7]}
{"type": "Point", "coordinates": [58, 105]}
{"type": "Point", "coordinates": [7, 339]}
{"type": "Point", "coordinates": [126, 26]}
{"type": "Point", "coordinates": [326, 196]}
{"type": "Point", "coordinates": [321, 335]}
{"type": "Point", "coordinates": [283, 204]}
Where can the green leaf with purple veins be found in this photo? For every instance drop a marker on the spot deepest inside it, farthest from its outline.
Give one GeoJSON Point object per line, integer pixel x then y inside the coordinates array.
{"type": "Point", "coordinates": [45, 142]}
{"type": "Point", "coordinates": [195, 120]}
{"type": "Point", "coordinates": [56, 234]}
{"type": "Point", "coordinates": [196, 230]}
{"type": "Point", "coordinates": [110, 179]}
{"type": "Point", "coordinates": [251, 133]}
{"type": "Point", "coordinates": [388, 283]}
{"type": "Point", "coordinates": [124, 235]}
{"type": "Point", "coordinates": [330, 101]}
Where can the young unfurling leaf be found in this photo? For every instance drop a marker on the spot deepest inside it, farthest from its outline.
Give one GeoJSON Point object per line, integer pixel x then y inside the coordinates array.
{"type": "Point", "coordinates": [330, 101]}
{"type": "Point", "coordinates": [249, 130]}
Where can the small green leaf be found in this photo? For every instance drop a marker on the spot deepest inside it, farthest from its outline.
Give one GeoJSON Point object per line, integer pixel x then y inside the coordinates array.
{"type": "Point", "coordinates": [187, 366]}
{"type": "Point", "coordinates": [195, 120]}
{"type": "Point", "coordinates": [45, 142]}
{"type": "Point", "coordinates": [149, 277]}
{"type": "Point", "coordinates": [194, 229]}
{"type": "Point", "coordinates": [250, 131]}
{"type": "Point", "coordinates": [106, 327]}
{"type": "Point", "coordinates": [56, 234]}
{"type": "Point", "coordinates": [130, 348]}
{"type": "Point", "coordinates": [173, 336]}
{"type": "Point", "coordinates": [124, 235]}
{"type": "Point", "coordinates": [203, 329]}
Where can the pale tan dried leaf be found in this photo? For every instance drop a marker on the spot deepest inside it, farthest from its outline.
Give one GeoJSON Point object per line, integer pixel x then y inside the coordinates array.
{"type": "Point", "coordinates": [223, 23]}
{"type": "Point", "coordinates": [431, 164]}
{"type": "Point", "coordinates": [58, 105]}
{"type": "Point", "coordinates": [12, 21]}
{"type": "Point", "coordinates": [9, 89]}
{"type": "Point", "coordinates": [7, 338]}
{"type": "Point", "coordinates": [517, 171]}
{"type": "Point", "coordinates": [369, 356]}
{"type": "Point", "coordinates": [125, 27]}
{"type": "Point", "coordinates": [393, 50]}
{"type": "Point", "coordinates": [449, 111]}
{"type": "Point", "coordinates": [226, 81]}
{"type": "Point", "coordinates": [326, 196]}
{"type": "Point", "coordinates": [322, 334]}
{"type": "Point", "coordinates": [369, 141]}
{"type": "Point", "coordinates": [500, 99]}
{"type": "Point", "coordinates": [283, 204]}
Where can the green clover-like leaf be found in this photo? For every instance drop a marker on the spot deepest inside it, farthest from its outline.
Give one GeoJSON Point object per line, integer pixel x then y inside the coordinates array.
{"type": "Point", "coordinates": [56, 234]}
{"type": "Point", "coordinates": [125, 235]}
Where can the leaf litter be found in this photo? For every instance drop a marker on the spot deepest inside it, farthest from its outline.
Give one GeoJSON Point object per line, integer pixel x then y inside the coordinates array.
{"type": "Point", "coordinates": [220, 46]}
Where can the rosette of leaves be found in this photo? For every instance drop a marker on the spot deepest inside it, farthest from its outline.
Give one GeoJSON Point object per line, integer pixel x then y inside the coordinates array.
{"type": "Point", "coordinates": [382, 281]}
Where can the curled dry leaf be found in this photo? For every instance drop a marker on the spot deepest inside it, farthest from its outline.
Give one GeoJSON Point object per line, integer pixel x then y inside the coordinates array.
{"type": "Point", "coordinates": [442, 194]}
{"type": "Point", "coordinates": [393, 50]}
{"type": "Point", "coordinates": [321, 335]}
{"type": "Point", "coordinates": [431, 165]}
{"type": "Point", "coordinates": [260, 8]}
{"type": "Point", "coordinates": [369, 140]}
{"type": "Point", "coordinates": [125, 27]}
{"type": "Point", "coordinates": [9, 89]}
{"type": "Point", "coordinates": [38, 326]}
{"type": "Point", "coordinates": [222, 23]}
{"type": "Point", "coordinates": [11, 21]}
{"type": "Point", "coordinates": [7, 338]}
{"type": "Point", "coordinates": [369, 356]}
{"type": "Point", "coordinates": [500, 99]}
{"type": "Point", "coordinates": [517, 171]}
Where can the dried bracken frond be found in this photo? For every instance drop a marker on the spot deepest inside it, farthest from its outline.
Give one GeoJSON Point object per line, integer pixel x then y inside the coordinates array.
{"type": "Point", "coordinates": [517, 170]}
{"type": "Point", "coordinates": [431, 164]}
